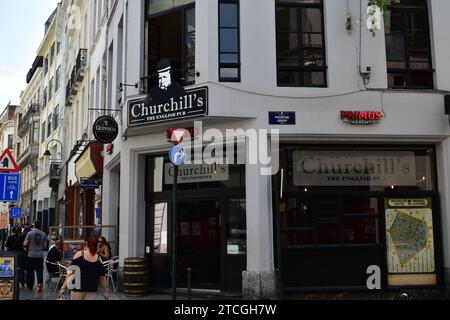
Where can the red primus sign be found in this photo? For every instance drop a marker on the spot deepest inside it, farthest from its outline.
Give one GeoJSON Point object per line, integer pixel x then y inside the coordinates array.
{"type": "Point", "coordinates": [361, 117]}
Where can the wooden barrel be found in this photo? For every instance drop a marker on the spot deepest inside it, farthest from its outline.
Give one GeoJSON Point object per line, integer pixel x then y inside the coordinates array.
{"type": "Point", "coordinates": [135, 277]}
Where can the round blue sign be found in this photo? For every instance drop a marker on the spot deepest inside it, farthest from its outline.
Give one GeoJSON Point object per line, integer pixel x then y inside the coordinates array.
{"type": "Point", "coordinates": [177, 155]}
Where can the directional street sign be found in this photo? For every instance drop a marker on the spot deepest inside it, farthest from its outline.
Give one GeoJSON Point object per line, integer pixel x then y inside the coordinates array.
{"type": "Point", "coordinates": [15, 213]}
{"type": "Point", "coordinates": [10, 187]}
{"type": "Point", "coordinates": [7, 162]}
{"type": "Point", "coordinates": [177, 155]}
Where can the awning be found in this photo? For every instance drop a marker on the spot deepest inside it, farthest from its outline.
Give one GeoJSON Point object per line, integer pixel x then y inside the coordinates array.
{"type": "Point", "coordinates": [90, 163]}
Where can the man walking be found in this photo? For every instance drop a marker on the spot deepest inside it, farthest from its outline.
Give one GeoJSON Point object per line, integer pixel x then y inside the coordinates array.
{"type": "Point", "coordinates": [35, 241]}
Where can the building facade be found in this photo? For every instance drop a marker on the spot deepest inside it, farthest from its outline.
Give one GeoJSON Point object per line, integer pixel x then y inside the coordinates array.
{"type": "Point", "coordinates": [321, 151]}
{"type": "Point", "coordinates": [367, 153]}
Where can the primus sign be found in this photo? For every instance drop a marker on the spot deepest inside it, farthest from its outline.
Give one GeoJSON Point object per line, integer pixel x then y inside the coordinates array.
{"type": "Point", "coordinates": [361, 117]}
{"type": "Point", "coordinates": [354, 168]}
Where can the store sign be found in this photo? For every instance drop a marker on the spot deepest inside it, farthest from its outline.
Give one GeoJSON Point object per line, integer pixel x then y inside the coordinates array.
{"type": "Point", "coordinates": [361, 117]}
{"type": "Point", "coordinates": [354, 168]}
{"type": "Point", "coordinates": [168, 101]}
{"type": "Point", "coordinates": [197, 173]}
{"type": "Point", "coordinates": [89, 184]}
{"type": "Point", "coordinates": [106, 129]}
{"type": "Point", "coordinates": [282, 118]}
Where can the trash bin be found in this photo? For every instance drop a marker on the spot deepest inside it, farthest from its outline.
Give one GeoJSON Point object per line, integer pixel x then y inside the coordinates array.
{"type": "Point", "coordinates": [135, 277]}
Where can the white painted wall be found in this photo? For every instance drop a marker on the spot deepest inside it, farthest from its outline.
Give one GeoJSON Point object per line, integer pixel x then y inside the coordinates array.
{"type": "Point", "coordinates": [411, 117]}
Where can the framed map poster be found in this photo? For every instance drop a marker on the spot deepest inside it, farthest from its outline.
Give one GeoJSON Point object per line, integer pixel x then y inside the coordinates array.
{"type": "Point", "coordinates": [410, 242]}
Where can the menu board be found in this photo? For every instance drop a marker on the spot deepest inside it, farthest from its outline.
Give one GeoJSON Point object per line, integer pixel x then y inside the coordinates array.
{"type": "Point", "coordinates": [409, 236]}
{"type": "Point", "coordinates": [7, 267]}
{"type": "Point", "coordinates": [6, 289]}
{"type": "Point", "coordinates": [7, 273]}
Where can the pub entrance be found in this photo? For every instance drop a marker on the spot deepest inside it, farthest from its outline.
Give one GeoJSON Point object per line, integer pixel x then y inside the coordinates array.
{"type": "Point", "coordinates": [211, 225]}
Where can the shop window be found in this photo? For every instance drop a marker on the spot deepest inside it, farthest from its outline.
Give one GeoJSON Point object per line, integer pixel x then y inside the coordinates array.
{"type": "Point", "coordinates": [229, 46]}
{"type": "Point", "coordinates": [300, 43]}
{"type": "Point", "coordinates": [408, 45]}
{"type": "Point", "coordinates": [171, 36]}
{"type": "Point", "coordinates": [358, 169]}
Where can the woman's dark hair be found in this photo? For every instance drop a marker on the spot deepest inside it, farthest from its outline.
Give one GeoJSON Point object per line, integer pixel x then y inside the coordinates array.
{"type": "Point", "coordinates": [92, 245]}
{"type": "Point", "coordinates": [103, 240]}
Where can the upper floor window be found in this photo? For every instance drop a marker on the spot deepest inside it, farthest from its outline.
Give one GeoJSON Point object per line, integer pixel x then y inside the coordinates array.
{"type": "Point", "coordinates": [50, 89]}
{"type": "Point", "coordinates": [43, 136]}
{"type": "Point", "coordinates": [49, 125]}
{"type": "Point", "coordinates": [58, 47]}
{"type": "Point", "coordinates": [46, 65]}
{"type": "Point", "coordinates": [408, 50]}
{"type": "Point", "coordinates": [10, 142]}
{"type": "Point", "coordinates": [44, 98]}
{"type": "Point", "coordinates": [300, 43]}
{"type": "Point", "coordinates": [52, 54]}
{"type": "Point", "coordinates": [229, 53]}
{"type": "Point", "coordinates": [57, 79]}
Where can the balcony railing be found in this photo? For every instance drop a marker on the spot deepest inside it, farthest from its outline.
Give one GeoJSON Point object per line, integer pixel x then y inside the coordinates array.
{"type": "Point", "coordinates": [24, 123]}
{"type": "Point", "coordinates": [76, 75]}
{"type": "Point", "coordinates": [29, 156]}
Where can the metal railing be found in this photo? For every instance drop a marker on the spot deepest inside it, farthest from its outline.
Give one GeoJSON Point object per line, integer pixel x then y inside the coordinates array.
{"type": "Point", "coordinates": [76, 74]}
{"type": "Point", "coordinates": [24, 123]}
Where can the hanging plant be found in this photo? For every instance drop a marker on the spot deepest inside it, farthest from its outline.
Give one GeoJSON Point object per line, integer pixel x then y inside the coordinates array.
{"type": "Point", "coordinates": [376, 10]}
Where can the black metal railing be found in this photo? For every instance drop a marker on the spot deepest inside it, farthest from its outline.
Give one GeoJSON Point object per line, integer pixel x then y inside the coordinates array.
{"type": "Point", "coordinates": [77, 74]}
{"type": "Point", "coordinates": [24, 123]}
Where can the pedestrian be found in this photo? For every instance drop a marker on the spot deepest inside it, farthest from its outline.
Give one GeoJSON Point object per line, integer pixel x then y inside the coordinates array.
{"type": "Point", "coordinates": [12, 241]}
{"type": "Point", "coordinates": [35, 241]}
{"type": "Point", "coordinates": [91, 274]}
{"type": "Point", "coordinates": [22, 257]}
{"type": "Point", "coordinates": [104, 249]}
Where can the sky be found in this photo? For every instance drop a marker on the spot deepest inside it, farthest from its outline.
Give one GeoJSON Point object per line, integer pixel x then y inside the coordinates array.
{"type": "Point", "coordinates": [22, 27]}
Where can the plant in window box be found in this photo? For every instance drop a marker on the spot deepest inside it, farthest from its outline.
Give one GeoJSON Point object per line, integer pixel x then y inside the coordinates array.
{"type": "Point", "coordinates": [376, 10]}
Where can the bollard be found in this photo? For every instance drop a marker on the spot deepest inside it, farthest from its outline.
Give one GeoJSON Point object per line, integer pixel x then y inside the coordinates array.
{"type": "Point", "coordinates": [189, 284]}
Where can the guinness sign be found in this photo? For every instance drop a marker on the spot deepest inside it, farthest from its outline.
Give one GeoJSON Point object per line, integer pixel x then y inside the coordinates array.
{"type": "Point", "coordinates": [168, 101]}
{"type": "Point", "coordinates": [106, 129]}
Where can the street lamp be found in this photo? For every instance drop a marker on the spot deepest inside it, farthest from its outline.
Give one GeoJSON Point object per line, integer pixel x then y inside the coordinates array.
{"type": "Point", "coordinates": [47, 152]}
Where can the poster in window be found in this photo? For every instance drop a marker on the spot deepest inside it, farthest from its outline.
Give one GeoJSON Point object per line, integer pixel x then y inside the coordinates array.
{"type": "Point", "coordinates": [185, 229]}
{"type": "Point", "coordinates": [7, 267]}
{"type": "Point", "coordinates": [409, 237]}
{"type": "Point", "coordinates": [6, 290]}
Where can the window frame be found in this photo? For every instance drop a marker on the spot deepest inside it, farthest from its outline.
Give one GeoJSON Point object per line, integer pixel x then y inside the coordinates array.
{"type": "Point", "coordinates": [406, 10]}
{"type": "Point", "coordinates": [238, 28]}
{"type": "Point", "coordinates": [300, 69]}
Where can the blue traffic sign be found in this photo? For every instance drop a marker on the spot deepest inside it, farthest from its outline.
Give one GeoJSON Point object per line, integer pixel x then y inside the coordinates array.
{"type": "Point", "coordinates": [177, 155]}
{"type": "Point", "coordinates": [10, 187]}
{"type": "Point", "coordinates": [15, 213]}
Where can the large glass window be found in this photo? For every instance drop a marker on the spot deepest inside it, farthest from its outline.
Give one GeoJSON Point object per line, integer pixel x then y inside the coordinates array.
{"type": "Point", "coordinates": [300, 43]}
{"type": "Point", "coordinates": [358, 169]}
{"type": "Point", "coordinates": [229, 46]}
{"type": "Point", "coordinates": [408, 45]}
{"type": "Point", "coordinates": [171, 36]}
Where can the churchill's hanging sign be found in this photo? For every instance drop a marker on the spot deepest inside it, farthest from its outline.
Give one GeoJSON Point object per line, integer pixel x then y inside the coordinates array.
{"type": "Point", "coordinates": [168, 101]}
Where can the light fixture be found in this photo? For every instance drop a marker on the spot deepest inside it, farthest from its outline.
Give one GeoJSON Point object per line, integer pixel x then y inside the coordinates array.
{"type": "Point", "coordinates": [306, 189]}
{"type": "Point", "coordinates": [424, 178]}
{"type": "Point", "coordinates": [47, 153]}
{"type": "Point", "coordinates": [392, 187]}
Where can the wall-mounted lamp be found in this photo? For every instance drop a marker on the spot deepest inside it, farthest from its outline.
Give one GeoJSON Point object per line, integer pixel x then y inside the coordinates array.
{"type": "Point", "coordinates": [349, 24]}
{"type": "Point", "coordinates": [136, 86]}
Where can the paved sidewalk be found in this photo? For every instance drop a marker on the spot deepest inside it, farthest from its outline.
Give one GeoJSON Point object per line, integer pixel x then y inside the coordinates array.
{"type": "Point", "coordinates": [50, 294]}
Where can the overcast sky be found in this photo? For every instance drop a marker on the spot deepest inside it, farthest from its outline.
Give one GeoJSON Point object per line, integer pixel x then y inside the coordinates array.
{"type": "Point", "coordinates": [22, 26]}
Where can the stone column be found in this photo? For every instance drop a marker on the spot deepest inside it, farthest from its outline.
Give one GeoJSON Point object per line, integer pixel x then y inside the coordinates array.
{"type": "Point", "coordinates": [259, 280]}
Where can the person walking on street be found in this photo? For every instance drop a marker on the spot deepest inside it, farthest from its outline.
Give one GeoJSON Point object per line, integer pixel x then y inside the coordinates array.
{"type": "Point", "coordinates": [35, 242]}
{"type": "Point", "coordinates": [91, 274]}
{"type": "Point", "coordinates": [23, 254]}
{"type": "Point", "coordinates": [12, 241]}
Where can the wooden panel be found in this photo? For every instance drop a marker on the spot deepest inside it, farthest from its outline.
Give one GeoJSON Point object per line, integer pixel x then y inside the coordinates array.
{"type": "Point", "coordinates": [412, 279]}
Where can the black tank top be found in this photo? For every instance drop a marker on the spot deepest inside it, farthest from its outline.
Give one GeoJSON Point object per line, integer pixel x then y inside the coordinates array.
{"type": "Point", "coordinates": [90, 273]}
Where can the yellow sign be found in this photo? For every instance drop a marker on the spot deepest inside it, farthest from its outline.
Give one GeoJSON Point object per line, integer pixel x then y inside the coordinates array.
{"type": "Point", "coordinates": [408, 203]}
